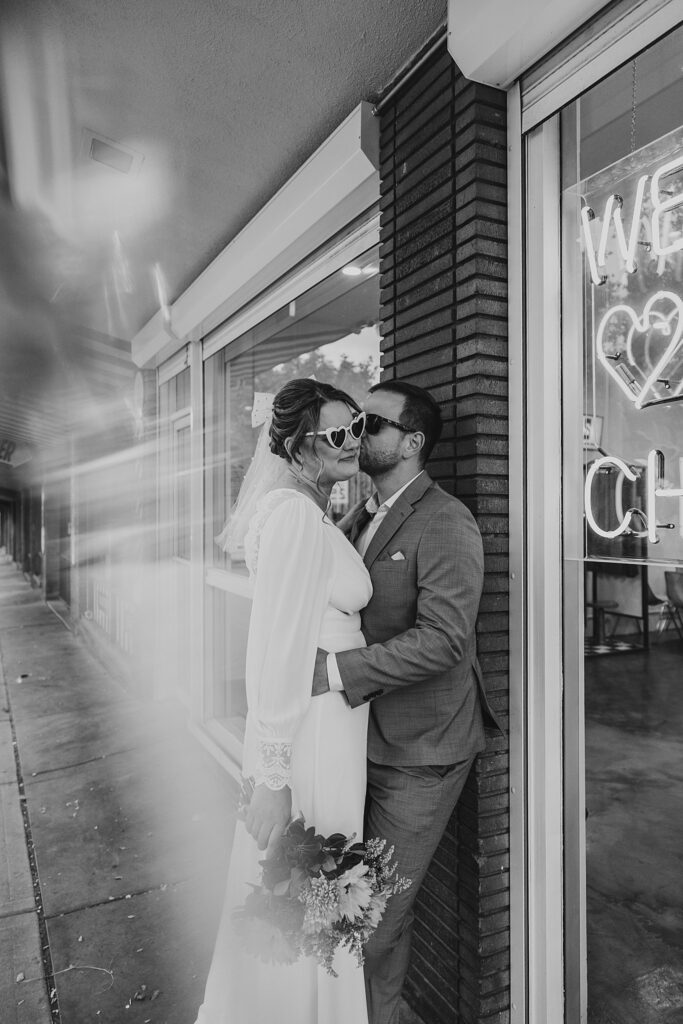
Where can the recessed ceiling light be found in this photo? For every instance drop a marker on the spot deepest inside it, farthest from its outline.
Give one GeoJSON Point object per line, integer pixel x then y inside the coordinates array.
{"type": "Point", "coordinates": [112, 154]}
{"type": "Point", "coordinates": [351, 270]}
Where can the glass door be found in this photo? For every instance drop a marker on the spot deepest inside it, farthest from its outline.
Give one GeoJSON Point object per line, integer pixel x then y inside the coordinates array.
{"type": "Point", "coordinates": [622, 371]}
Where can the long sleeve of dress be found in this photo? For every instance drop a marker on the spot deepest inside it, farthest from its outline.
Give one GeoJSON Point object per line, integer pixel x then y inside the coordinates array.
{"type": "Point", "coordinates": [291, 592]}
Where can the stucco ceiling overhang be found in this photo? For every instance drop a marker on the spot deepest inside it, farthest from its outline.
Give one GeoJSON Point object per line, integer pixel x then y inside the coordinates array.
{"type": "Point", "coordinates": [217, 104]}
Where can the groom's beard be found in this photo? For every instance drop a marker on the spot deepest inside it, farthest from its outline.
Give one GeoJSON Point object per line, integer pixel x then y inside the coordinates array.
{"type": "Point", "coordinates": [377, 461]}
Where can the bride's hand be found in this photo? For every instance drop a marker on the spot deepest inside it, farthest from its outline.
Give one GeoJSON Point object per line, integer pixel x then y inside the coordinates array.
{"type": "Point", "coordinates": [268, 814]}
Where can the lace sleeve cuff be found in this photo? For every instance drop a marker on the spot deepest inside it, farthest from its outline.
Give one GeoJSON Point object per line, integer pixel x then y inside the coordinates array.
{"type": "Point", "coordinates": [273, 763]}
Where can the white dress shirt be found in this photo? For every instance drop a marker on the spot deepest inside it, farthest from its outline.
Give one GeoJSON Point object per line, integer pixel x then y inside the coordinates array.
{"type": "Point", "coordinates": [378, 513]}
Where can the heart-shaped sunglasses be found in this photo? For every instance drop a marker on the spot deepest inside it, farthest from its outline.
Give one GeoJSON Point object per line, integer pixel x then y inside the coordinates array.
{"type": "Point", "coordinates": [336, 436]}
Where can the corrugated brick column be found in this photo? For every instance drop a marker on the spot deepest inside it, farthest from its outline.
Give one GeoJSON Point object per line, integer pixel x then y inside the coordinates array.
{"type": "Point", "coordinates": [482, 467]}
{"type": "Point", "coordinates": [444, 326]}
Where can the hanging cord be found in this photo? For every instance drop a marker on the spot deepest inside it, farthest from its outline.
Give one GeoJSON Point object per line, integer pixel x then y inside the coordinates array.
{"type": "Point", "coordinates": [633, 105]}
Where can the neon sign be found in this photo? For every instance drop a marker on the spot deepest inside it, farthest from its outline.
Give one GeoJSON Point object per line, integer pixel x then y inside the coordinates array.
{"type": "Point", "coordinates": [657, 357]}
{"type": "Point", "coordinates": [641, 348]}
{"type": "Point", "coordinates": [654, 490]}
{"type": "Point", "coordinates": [638, 343]}
{"type": "Point", "coordinates": [663, 201]}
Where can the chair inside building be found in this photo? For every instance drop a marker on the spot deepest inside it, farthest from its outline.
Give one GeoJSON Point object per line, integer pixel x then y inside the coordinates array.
{"type": "Point", "coordinates": [672, 608]}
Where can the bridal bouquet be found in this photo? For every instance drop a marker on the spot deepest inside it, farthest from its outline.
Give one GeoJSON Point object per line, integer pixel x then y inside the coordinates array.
{"type": "Point", "coordinates": [317, 894]}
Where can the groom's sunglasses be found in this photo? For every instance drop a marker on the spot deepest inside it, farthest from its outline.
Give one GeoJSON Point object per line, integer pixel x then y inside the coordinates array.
{"type": "Point", "coordinates": [375, 422]}
{"type": "Point", "coordinates": [336, 436]}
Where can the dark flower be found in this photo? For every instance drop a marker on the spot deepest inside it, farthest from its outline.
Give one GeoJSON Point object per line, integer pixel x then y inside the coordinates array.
{"type": "Point", "coordinates": [302, 847]}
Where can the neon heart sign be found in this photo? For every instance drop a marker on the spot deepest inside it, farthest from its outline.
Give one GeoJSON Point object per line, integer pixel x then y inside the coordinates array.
{"type": "Point", "coordinates": [648, 368]}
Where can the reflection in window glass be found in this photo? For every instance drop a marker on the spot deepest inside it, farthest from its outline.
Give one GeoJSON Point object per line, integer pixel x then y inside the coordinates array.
{"type": "Point", "coordinates": [330, 333]}
{"type": "Point", "coordinates": [182, 469]}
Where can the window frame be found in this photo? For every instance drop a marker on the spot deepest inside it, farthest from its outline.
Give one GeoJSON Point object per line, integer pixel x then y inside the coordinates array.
{"type": "Point", "coordinates": [548, 858]}
{"type": "Point", "coordinates": [350, 244]}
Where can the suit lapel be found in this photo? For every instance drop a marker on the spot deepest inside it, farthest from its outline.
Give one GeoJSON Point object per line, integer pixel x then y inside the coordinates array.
{"type": "Point", "coordinates": [396, 516]}
{"type": "Point", "coordinates": [360, 520]}
{"type": "Point", "coordinates": [398, 512]}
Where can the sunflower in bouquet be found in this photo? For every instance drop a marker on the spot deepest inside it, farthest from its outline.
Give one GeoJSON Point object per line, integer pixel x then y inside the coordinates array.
{"type": "Point", "coordinates": [317, 894]}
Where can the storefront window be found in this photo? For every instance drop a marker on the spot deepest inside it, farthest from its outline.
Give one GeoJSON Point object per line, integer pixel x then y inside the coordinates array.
{"type": "Point", "coordinates": [174, 405]}
{"type": "Point", "coordinates": [174, 664]}
{"type": "Point", "coordinates": [330, 332]}
{"type": "Point", "coordinates": [622, 248]}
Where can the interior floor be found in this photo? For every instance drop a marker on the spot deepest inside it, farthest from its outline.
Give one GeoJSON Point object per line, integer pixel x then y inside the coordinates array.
{"type": "Point", "coordinates": [634, 834]}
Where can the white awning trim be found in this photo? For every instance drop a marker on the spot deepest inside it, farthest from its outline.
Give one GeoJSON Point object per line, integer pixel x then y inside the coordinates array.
{"type": "Point", "coordinates": [494, 41]}
{"type": "Point", "coordinates": [336, 184]}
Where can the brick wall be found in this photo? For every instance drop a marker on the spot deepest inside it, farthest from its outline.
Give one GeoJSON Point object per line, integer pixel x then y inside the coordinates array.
{"type": "Point", "coordinates": [444, 326]}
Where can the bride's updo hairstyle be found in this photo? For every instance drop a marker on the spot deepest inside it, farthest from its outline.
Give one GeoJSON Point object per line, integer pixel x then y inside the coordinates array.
{"type": "Point", "coordinates": [296, 412]}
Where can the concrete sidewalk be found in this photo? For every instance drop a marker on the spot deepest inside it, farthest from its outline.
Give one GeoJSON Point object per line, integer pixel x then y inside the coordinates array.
{"type": "Point", "coordinates": [115, 831]}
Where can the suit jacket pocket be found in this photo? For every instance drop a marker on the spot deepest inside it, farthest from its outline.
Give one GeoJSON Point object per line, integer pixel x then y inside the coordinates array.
{"type": "Point", "coordinates": [388, 564]}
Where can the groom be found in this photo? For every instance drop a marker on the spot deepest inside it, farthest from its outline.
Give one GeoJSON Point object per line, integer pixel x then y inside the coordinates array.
{"type": "Point", "coordinates": [420, 672]}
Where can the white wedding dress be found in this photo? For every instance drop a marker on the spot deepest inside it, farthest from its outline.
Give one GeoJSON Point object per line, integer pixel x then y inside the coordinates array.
{"type": "Point", "coordinates": [310, 584]}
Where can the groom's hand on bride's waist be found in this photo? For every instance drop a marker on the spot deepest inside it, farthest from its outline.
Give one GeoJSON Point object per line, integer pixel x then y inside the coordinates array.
{"type": "Point", "coordinates": [321, 683]}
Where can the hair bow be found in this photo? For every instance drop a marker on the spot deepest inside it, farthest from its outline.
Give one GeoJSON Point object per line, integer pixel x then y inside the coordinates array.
{"type": "Point", "coordinates": [262, 407]}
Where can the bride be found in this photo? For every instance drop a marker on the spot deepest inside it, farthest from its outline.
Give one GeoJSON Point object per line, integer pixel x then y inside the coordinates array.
{"type": "Point", "coordinates": [305, 755]}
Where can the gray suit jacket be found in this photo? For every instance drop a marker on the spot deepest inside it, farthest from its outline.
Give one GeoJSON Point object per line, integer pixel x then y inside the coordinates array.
{"type": "Point", "coordinates": [420, 668]}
